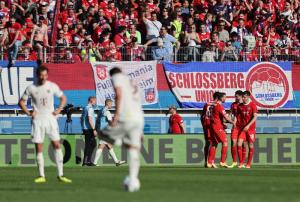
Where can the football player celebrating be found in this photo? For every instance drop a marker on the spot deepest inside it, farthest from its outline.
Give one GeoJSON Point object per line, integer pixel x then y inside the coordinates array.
{"type": "Point", "coordinates": [44, 120]}
{"type": "Point", "coordinates": [206, 124]}
{"type": "Point", "coordinates": [219, 134]}
{"type": "Point", "coordinates": [234, 132]}
{"type": "Point", "coordinates": [247, 111]}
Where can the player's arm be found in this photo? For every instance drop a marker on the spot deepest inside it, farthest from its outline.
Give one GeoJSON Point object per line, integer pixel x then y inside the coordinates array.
{"type": "Point", "coordinates": [63, 101]}
{"type": "Point", "coordinates": [251, 122]}
{"type": "Point", "coordinates": [118, 97]}
{"type": "Point", "coordinates": [182, 127]}
{"type": "Point", "coordinates": [109, 118]}
{"type": "Point", "coordinates": [23, 102]}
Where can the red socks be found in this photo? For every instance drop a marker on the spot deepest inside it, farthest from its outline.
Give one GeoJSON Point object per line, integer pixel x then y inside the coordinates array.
{"type": "Point", "coordinates": [240, 153]}
{"type": "Point", "coordinates": [250, 156]}
{"type": "Point", "coordinates": [224, 154]}
{"type": "Point", "coordinates": [234, 153]}
{"type": "Point", "coordinates": [244, 153]}
{"type": "Point", "coordinates": [212, 154]}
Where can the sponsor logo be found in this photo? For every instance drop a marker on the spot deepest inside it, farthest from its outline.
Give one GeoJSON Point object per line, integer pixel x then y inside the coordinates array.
{"type": "Point", "coordinates": [268, 85]}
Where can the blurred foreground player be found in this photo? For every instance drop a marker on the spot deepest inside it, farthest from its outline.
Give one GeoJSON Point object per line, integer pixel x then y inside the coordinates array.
{"type": "Point", "coordinates": [176, 125]}
{"type": "Point", "coordinates": [104, 118]}
{"type": "Point", "coordinates": [219, 134]}
{"type": "Point", "coordinates": [247, 111]}
{"type": "Point", "coordinates": [206, 117]}
{"type": "Point", "coordinates": [127, 125]}
{"type": "Point", "coordinates": [44, 120]}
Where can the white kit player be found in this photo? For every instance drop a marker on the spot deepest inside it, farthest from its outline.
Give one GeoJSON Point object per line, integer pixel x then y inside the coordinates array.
{"type": "Point", "coordinates": [44, 120]}
{"type": "Point", "coordinates": [127, 125]}
{"type": "Point", "coordinates": [105, 118]}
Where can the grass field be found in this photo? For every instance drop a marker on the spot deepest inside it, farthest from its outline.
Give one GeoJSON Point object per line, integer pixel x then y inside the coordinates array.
{"type": "Point", "coordinates": [168, 184]}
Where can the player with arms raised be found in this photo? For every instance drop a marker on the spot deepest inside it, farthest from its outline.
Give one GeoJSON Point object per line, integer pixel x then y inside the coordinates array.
{"type": "Point", "coordinates": [127, 125]}
{"type": "Point", "coordinates": [206, 124]}
{"type": "Point", "coordinates": [219, 134]}
{"type": "Point", "coordinates": [44, 120]}
{"type": "Point", "coordinates": [246, 124]}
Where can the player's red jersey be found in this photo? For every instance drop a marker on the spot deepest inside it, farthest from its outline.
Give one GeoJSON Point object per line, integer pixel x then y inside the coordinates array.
{"type": "Point", "coordinates": [234, 107]}
{"type": "Point", "coordinates": [175, 121]}
{"type": "Point", "coordinates": [245, 114]}
{"type": "Point", "coordinates": [218, 114]}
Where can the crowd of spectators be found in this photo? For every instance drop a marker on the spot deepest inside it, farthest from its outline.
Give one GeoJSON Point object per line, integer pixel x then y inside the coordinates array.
{"type": "Point", "coordinates": [184, 30]}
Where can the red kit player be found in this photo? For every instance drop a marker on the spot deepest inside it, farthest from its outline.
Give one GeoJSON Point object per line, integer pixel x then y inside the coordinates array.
{"type": "Point", "coordinates": [246, 124]}
{"type": "Point", "coordinates": [206, 124]}
{"type": "Point", "coordinates": [219, 134]}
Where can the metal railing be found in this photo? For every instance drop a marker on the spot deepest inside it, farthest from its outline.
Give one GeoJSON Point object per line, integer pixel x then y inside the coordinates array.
{"type": "Point", "coordinates": [75, 54]}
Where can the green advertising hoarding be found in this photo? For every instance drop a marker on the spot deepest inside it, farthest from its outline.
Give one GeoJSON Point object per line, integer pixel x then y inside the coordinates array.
{"type": "Point", "coordinates": [157, 150]}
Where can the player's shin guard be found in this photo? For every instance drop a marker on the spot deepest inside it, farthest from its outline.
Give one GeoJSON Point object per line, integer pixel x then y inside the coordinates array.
{"type": "Point", "coordinates": [224, 154]}
{"type": "Point", "coordinates": [113, 155]}
{"type": "Point", "coordinates": [244, 151]}
{"type": "Point", "coordinates": [59, 159]}
{"type": "Point", "coordinates": [250, 156]}
{"type": "Point", "coordinates": [40, 164]}
{"type": "Point", "coordinates": [240, 153]}
{"type": "Point", "coordinates": [97, 156]}
{"type": "Point", "coordinates": [234, 153]}
{"type": "Point", "coordinates": [134, 164]}
{"type": "Point", "coordinates": [212, 154]}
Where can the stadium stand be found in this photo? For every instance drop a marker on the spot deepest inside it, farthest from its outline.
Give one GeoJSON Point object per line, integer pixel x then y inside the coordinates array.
{"type": "Point", "coordinates": [195, 30]}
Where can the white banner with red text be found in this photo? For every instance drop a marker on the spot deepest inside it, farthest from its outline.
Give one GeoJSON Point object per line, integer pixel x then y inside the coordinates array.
{"type": "Point", "coordinates": [269, 83]}
{"type": "Point", "coordinates": [142, 74]}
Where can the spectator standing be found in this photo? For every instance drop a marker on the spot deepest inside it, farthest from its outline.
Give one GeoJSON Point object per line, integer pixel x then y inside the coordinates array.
{"type": "Point", "coordinates": [153, 26]}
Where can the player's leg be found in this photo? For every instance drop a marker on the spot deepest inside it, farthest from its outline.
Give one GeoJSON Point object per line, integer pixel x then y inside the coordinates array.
{"type": "Point", "coordinates": [59, 160]}
{"type": "Point", "coordinates": [40, 163]}
{"type": "Point", "coordinates": [240, 149]}
{"type": "Point", "coordinates": [113, 155]}
{"type": "Point", "coordinates": [223, 138]}
{"type": "Point", "coordinates": [251, 140]}
{"type": "Point", "coordinates": [212, 150]}
{"type": "Point", "coordinates": [207, 144]}
{"type": "Point", "coordinates": [234, 137]}
{"type": "Point", "coordinates": [244, 150]}
{"type": "Point", "coordinates": [98, 152]}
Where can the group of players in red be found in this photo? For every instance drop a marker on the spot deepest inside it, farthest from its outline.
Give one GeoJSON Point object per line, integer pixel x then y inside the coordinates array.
{"type": "Point", "coordinates": [243, 117]}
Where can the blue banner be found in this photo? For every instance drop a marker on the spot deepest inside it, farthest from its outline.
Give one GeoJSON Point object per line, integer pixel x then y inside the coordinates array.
{"type": "Point", "coordinates": [194, 83]}
{"type": "Point", "coordinates": [14, 81]}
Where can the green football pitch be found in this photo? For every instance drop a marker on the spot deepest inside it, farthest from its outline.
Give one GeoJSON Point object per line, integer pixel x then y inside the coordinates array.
{"type": "Point", "coordinates": [168, 184]}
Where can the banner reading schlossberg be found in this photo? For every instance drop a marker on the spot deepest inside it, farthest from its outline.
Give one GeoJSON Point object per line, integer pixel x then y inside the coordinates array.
{"type": "Point", "coordinates": [194, 83]}
{"type": "Point", "coordinates": [143, 74]}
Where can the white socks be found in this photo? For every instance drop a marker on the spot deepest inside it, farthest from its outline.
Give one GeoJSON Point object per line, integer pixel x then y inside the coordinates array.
{"type": "Point", "coordinates": [40, 163]}
{"type": "Point", "coordinates": [97, 156]}
{"type": "Point", "coordinates": [113, 155]}
{"type": "Point", "coordinates": [134, 164]}
{"type": "Point", "coordinates": [59, 161]}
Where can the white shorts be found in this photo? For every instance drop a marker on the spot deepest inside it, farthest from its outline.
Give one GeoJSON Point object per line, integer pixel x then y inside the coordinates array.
{"type": "Point", "coordinates": [103, 142]}
{"type": "Point", "coordinates": [45, 126]}
{"type": "Point", "coordinates": [128, 133]}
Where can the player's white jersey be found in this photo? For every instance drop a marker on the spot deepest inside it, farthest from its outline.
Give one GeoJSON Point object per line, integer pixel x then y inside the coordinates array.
{"type": "Point", "coordinates": [42, 97]}
{"type": "Point", "coordinates": [131, 105]}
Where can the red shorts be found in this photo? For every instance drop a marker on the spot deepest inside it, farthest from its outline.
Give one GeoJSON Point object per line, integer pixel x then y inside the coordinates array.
{"type": "Point", "coordinates": [248, 136]}
{"type": "Point", "coordinates": [218, 135]}
{"type": "Point", "coordinates": [234, 134]}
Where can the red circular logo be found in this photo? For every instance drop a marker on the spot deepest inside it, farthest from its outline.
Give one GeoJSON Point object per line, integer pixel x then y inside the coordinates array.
{"type": "Point", "coordinates": [268, 85]}
{"type": "Point", "coordinates": [101, 72]}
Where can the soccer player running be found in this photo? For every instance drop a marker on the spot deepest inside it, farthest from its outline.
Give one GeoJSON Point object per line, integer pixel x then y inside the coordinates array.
{"type": "Point", "coordinates": [247, 111]}
{"type": "Point", "coordinates": [127, 125]}
{"type": "Point", "coordinates": [234, 131]}
{"type": "Point", "coordinates": [206, 124]}
{"type": "Point", "coordinates": [219, 134]}
{"type": "Point", "coordinates": [105, 118]}
{"type": "Point", "coordinates": [44, 120]}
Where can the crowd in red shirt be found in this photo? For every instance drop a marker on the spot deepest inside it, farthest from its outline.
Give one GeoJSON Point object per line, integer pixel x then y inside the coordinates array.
{"type": "Point", "coordinates": [222, 26]}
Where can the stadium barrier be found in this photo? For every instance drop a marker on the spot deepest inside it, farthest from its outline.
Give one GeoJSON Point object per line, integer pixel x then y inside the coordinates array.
{"type": "Point", "coordinates": [157, 150]}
